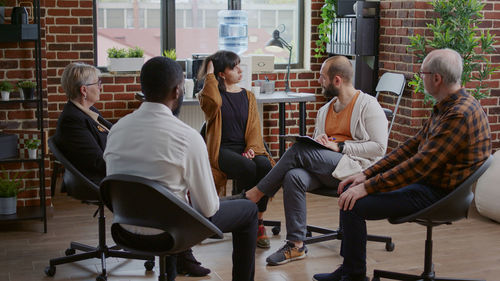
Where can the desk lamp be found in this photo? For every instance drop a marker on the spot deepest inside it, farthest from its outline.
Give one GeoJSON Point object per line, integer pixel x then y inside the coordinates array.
{"type": "Point", "coordinates": [275, 45]}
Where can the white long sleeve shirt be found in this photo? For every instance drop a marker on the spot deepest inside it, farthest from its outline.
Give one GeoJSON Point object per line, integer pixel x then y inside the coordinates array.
{"type": "Point", "coordinates": [152, 143]}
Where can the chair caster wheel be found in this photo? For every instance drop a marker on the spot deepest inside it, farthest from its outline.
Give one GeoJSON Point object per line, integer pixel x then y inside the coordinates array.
{"type": "Point", "coordinates": [50, 271]}
{"type": "Point", "coordinates": [276, 230]}
{"type": "Point", "coordinates": [389, 246]}
{"type": "Point", "coordinates": [69, 252]}
{"type": "Point", "coordinates": [149, 265]}
{"type": "Point", "coordinates": [308, 233]}
{"type": "Point", "coordinates": [101, 278]}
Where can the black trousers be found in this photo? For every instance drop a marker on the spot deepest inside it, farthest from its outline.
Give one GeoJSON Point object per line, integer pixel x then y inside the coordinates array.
{"type": "Point", "coordinates": [240, 218]}
{"type": "Point", "coordinates": [246, 172]}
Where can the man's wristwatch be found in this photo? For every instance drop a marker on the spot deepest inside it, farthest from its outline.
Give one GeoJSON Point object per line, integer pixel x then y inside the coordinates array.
{"type": "Point", "coordinates": [341, 146]}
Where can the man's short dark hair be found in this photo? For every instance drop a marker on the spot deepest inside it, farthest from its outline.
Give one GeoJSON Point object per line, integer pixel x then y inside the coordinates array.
{"type": "Point", "coordinates": [159, 77]}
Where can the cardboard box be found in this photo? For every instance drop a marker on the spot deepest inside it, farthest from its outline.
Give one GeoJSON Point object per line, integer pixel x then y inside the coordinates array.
{"type": "Point", "coordinates": [262, 63]}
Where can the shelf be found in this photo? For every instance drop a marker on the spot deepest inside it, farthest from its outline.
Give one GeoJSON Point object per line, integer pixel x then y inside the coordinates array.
{"type": "Point", "coordinates": [24, 213]}
{"type": "Point", "coordinates": [18, 32]}
{"type": "Point", "coordinates": [17, 160]}
{"type": "Point", "coordinates": [18, 101]}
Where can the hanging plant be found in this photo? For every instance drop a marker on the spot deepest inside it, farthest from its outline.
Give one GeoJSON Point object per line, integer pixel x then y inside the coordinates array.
{"type": "Point", "coordinates": [328, 15]}
{"type": "Point", "coordinates": [457, 28]}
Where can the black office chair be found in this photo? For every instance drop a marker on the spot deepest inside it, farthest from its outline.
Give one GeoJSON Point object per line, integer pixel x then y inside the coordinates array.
{"type": "Point", "coordinates": [81, 188]}
{"type": "Point", "coordinates": [452, 207]}
{"type": "Point", "coordinates": [237, 189]}
{"type": "Point", "coordinates": [326, 234]}
{"type": "Point", "coordinates": [136, 201]}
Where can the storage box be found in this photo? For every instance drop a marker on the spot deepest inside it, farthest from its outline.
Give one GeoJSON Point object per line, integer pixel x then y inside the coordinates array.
{"type": "Point", "coordinates": [262, 63]}
{"type": "Point", "coordinates": [8, 146]}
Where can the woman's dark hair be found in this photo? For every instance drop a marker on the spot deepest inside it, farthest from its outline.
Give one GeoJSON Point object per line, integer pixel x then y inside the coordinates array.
{"type": "Point", "coordinates": [159, 77]}
{"type": "Point", "coordinates": [221, 60]}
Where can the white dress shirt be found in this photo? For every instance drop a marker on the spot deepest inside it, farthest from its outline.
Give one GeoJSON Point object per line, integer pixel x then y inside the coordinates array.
{"type": "Point", "coordinates": [152, 143]}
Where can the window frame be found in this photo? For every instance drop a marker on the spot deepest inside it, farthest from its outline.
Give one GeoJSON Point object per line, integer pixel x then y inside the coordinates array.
{"type": "Point", "coordinates": [168, 26]}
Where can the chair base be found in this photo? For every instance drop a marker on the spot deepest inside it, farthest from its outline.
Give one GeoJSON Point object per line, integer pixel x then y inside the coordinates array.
{"type": "Point", "coordinates": [327, 234]}
{"type": "Point", "coordinates": [377, 274]}
{"type": "Point", "coordinates": [101, 253]}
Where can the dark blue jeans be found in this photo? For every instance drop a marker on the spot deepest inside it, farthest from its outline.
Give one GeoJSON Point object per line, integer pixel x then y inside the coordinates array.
{"type": "Point", "coordinates": [398, 203]}
{"type": "Point", "coordinates": [240, 218]}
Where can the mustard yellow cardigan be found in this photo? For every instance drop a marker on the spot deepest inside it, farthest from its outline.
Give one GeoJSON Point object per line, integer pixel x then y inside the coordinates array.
{"type": "Point", "coordinates": [211, 102]}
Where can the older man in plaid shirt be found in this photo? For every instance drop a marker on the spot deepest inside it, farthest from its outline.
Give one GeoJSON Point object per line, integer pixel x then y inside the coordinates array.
{"type": "Point", "coordinates": [452, 144]}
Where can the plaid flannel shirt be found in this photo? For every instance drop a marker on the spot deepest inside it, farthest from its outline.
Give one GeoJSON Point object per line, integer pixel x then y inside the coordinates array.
{"type": "Point", "coordinates": [452, 144]}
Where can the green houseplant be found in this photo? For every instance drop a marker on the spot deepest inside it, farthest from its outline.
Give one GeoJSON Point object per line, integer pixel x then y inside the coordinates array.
{"type": "Point", "coordinates": [457, 28]}
{"type": "Point", "coordinates": [32, 146]}
{"type": "Point", "coordinates": [5, 89]}
{"type": "Point", "coordinates": [171, 54]}
{"type": "Point", "coordinates": [27, 89]}
{"type": "Point", "coordinates": [9, 188]}
{"type": "Point", "coordinates": [130, 59]}
{"type": "Point", "coordinates": [328, 16]}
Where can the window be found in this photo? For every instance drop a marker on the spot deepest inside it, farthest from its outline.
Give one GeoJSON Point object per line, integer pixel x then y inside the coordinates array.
{"type": "Point", "coordinates": [130, 23]}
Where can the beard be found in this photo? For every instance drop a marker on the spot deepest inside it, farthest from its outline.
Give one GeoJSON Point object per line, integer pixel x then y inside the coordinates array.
{"type": "Point", "coordinates": [330, 91]}
{"type": "Point", "coordinates": [177, 109]}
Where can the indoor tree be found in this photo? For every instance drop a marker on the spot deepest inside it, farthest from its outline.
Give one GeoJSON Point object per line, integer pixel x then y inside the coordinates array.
{"type": "Point", "coordinates": [456, 28]}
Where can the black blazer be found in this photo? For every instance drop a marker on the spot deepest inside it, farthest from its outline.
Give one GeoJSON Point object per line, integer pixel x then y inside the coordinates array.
{"type": "Point", "coordinates": [83, 140]}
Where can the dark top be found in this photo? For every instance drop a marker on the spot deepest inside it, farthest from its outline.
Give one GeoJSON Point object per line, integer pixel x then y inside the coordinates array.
{"type": "Point", "coordinates": [234, 111]}
{"type": "Point", "coordinates": [452, 144]}
{"type": "Point", "coordinates": [82, 140]}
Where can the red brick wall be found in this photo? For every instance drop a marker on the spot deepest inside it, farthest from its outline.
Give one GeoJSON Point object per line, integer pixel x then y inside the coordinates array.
{"type": "Point", "coordinates": [67, 37]}
{"type": "Point", "coordinates": [400, 19]}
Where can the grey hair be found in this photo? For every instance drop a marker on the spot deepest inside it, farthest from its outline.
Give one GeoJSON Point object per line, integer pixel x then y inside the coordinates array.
{"type": "Point", "coordinates": [75, 75]}
{"type": "Point", "coordinates": [446, 62]}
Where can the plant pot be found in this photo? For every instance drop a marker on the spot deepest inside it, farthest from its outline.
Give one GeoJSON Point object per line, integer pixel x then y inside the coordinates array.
{"type": "Point", "coordinates": [21, 94]}
{"type": "Point", "coordinates": [32, 153]}
{"type": "Point", "coordinates": [125, 64]}
{"type": "Point", "coordinates": [29, 93]}
{"type": "Point", "coordinates": [5, 95]}
{"type": "Point", "coordinates": [8, 205]}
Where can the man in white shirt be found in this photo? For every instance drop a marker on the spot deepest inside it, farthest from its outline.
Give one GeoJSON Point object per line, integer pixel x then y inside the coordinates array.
{"type": "Point", "coordinates": [153, 143]}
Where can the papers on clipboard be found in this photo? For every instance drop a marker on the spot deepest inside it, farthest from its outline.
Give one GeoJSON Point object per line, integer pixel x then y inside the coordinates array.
{"type": "Point", "coordinates": [304, 139]}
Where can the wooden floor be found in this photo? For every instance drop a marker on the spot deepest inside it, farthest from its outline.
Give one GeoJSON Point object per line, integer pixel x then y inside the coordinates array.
{"type": "Point", "coordinates": [469, 248]}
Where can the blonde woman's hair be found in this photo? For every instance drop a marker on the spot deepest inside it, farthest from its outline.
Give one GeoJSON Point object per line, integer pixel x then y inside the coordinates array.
{"type": "Point", "coordinates": [75, 75]}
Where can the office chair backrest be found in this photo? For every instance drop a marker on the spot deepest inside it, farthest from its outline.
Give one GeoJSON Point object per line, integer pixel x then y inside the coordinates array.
{"type": "Point", "coordinates": [452, 207]}
{"type": "Point", "coordinates": [78, 186]}
{"type": "Point", "coordinates": [142, 202]}
{"type": "Point", "coordinates": [393, 83]}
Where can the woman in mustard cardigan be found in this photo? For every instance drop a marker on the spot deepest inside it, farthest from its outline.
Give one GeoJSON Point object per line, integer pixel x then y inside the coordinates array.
{"type": "Point", "coordinates": [233, 133]}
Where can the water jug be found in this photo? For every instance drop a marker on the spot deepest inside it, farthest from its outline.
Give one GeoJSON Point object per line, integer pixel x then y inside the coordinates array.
{"type": "Point", "coordinates": [233, 30]}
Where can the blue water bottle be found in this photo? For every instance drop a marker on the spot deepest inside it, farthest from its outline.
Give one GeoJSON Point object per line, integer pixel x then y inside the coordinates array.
{"type": "Point", "coordinates": [233, 30]}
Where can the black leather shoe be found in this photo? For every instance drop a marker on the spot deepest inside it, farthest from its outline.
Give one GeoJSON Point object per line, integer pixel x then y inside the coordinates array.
{"type": "Point", "coordinates": [242, 195]}
{"type": "Point", "coordinates": [187, 264]}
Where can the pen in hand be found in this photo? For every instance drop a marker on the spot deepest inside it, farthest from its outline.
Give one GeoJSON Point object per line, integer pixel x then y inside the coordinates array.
{"type": "Point", "coordinates": [331, 138]}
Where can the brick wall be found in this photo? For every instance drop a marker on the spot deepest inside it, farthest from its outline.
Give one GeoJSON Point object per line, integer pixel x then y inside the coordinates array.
{"type": "Point", "coordinates": [68, 37]}
{"type": "Point", "coordinates": [400, 19]}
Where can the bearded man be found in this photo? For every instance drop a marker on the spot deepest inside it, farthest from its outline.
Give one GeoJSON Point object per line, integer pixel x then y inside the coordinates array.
{"type": "Point", "coordinates": [351, 130]}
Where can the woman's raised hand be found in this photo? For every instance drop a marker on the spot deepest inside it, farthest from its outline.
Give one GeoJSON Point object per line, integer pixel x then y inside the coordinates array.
{"type": "Point", "coordinates": [210, 67]}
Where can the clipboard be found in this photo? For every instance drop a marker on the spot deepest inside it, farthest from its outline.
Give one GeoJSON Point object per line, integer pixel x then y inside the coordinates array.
{"type": "Point", "coordinates": [303, 139]}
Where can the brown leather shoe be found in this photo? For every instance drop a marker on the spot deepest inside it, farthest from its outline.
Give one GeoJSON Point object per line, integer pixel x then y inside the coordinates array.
{"type": "Point", "coordinates": [187, 264]}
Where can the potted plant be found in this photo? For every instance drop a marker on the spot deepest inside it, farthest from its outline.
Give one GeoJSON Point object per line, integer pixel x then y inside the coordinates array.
{"type": "Point", "coordinates": [171, 54]}
{"type": "Point", "coordinates": [5, 89]}
{"type": "Point", "coordinates": [125, 60]}
{"type": "Point", "coordinates": [328, 16]}
{"type": "Point", "coordinates": [9, 188]}
{"type": "Point", "coordinates": [32, 146]}
{"type": "Point", "coordinates": [457, 28]}
{"type": "Point", "coordinates": [26, 89]}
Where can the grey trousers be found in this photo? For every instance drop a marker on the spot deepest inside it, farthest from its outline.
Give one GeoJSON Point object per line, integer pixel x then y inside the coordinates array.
{"type": "Point", "coordinates": [303, 167]}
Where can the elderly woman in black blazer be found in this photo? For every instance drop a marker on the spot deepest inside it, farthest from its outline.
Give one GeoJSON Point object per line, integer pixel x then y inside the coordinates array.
{"type": "Point", "coordinates": [81, 130]}
{"type": "Point", "coordinates": [81, 135]}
